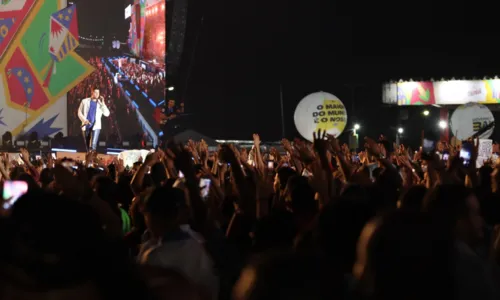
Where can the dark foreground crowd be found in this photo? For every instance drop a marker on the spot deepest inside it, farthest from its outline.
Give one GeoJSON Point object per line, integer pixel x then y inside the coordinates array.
{"type": "Point", "coordinates": [311, 222]}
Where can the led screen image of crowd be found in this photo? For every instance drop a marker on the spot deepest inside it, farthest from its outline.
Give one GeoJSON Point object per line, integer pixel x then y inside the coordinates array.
{"type": "Point", "coordinates": [147, 30]}
{"type": "Point", "coordinates": [134, 84]}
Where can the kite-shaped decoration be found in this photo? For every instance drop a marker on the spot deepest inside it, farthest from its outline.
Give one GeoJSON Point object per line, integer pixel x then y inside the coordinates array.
{"type": "Point", "coordinates": [63, 37]}
{"type": "Point", "coordinates": [26, 80]}
{"type": "Point", "coordinates": [24, 88]}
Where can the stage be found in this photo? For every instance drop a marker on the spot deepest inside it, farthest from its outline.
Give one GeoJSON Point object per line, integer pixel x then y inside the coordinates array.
{"type": "Point", "coordinates": [128, 156]}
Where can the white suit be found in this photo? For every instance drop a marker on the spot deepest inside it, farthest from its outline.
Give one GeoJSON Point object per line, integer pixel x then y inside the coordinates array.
{"type": "Point", "coordinates": [83, 110]}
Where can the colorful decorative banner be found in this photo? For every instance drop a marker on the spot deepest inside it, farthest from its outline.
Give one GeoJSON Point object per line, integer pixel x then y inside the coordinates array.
{"type": "Point", "coordinates": [24, 90]}
{"type": "Point", "coordinates": [63, 37]}
{"type": "Point", "coordinates": [39, 67]}
{"type": "Point", "coordinates": [416, 93]}
{"type": "Point", "coordinates": [453, 92]}
{"type": "Point", "coordinates": [137, 27]}
{"type": "Point", "coordinates": [12, 15]}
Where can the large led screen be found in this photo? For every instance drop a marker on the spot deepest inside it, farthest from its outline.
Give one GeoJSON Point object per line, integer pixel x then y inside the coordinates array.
{"type": "Point", "coordinates": [137, 25]}
{"type": "Point", "coordinates": [154, 33]}
{"type": "Point", "coordinates": [147, 30]}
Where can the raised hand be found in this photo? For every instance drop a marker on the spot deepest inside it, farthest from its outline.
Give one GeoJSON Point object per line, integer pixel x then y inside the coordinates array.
{"type": "Point", "coordinates": [50, 161]}
{"type": "Point", "coordinates": [473, 156]}
{"type": "Point", "coordinates": [404, 161]}
{"type": "Point", "coordinates": [362, 157]}
{"type": "Point", "coordinates": [25, 155]}
{"type": "Point", "coordinates": [203, 151]}
{"type": "Point", "coordinates": [287, 145]}
{"type": "Point", "coordinates": [304, 153]}
{"type": "Point", "coordinates": [236, 152]}
{"type": "Point", "coordinates": [203, 146]}
{"type": "Point", "coordinates": [152, 159]}
{"type": "Point", "coordinates": [256, 140]}
{"type": "Point", "coordinates": [334, 144]}
{"type": "Point", "coordinates": [320, 141]}
{"type": "Point", "coordinates": [182, 159]}
{"type": "Point", "coordinates": [191, 147]}
{"type": "Point", "coordinates": [119, 165]}
{"type": "Point", "coordinates": [345, 150]}
{"type": "Point", "coordinates": [227, 155]}
{"type": "Point", "coordinates": [372, 147]}
{"type": "Point", "coordinates": [89, 158]}
{"type": "Point", "coordinates": [244, 154]}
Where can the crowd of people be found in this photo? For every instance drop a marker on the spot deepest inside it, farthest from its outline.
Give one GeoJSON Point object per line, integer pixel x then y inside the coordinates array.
{"type": "Point", "coordinates": [153, 84]}
{"type": "Point", "coordinates": [122, 121]}
{"type": "Point", "coordinates": [310, 222]}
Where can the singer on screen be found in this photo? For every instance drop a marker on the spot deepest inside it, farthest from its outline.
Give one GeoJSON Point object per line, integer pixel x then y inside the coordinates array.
{"type": "Point", "coordinates": [90, 112]}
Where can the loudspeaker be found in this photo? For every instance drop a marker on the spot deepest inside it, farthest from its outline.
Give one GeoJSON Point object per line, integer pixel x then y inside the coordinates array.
{"type": "Point", "coordinates": [176, 24]}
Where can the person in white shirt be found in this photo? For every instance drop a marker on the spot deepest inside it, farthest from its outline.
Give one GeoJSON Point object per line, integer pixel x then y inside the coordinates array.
{"type": "Point", "coordinates": [90, 112]}
{"type": "Point", "coordinates": [169, 245]}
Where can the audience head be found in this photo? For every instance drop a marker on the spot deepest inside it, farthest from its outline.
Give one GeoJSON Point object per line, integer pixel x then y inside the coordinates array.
{"type": "Point", "coordinates": [163, 210]}
{"type": "Point", "coordinates": [300, 196]}
{"type": "Point", "coordinates": [58, 249]}
{"type": "Point", "coordinates": [457, 209]}
{"type": "Point", "coordinates": [282, 176]}
{"type": "Point", "coordinates": [340, 225]}
{"type": "Point", "coordinates": [401, 255]}
{"type": "Point", "coordinates": [413, 198]}
{"type": "Point", "coordinates": [283, 275]}
{"type": "Point", "coordinates": [46, 177]}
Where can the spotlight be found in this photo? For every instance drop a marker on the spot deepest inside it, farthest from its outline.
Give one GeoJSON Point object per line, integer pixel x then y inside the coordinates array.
{"type": "Point", "coordinates": [443, 124]}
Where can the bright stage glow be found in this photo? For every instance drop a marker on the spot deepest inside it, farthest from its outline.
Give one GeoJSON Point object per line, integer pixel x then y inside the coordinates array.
{"type": "Point", "coordinates": [443, 124]}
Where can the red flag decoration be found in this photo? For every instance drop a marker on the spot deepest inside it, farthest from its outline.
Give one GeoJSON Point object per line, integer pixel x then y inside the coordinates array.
{"type": "Point", "coordinates": [12, 15]}
{"type": "Point", "coordinates": [24, 88]}
{"type": "Point", "coordinates": [63, 37]}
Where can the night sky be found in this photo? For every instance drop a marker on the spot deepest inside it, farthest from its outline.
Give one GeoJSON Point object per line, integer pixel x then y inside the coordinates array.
{"type": "Point", "coordinates": [98, 18]}
{"type": "Point", "coordinates": [246, 49]}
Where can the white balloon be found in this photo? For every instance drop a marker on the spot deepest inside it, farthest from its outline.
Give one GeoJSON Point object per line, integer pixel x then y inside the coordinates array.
{"type": "Point", "coordinates": [469, 118]}
{"type": "Point", "coordinates": [320, 111]}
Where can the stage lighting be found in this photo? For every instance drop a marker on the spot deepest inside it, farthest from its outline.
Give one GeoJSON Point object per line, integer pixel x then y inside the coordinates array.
{"type": "Point", "coordinates": [170, 88]}
{"type": "Point", "coordinates": [442, 124]}
{"type": "Point", "coordinates": [7, 139]}
{"type": "Point", "coordinates": [163, 7]}
{"type": "Point", "coordinates": [58, 140]}
{"type": "Point", "coordinates": [34, 142]}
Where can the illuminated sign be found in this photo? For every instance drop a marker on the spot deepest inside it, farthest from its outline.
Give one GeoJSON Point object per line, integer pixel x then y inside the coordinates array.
{"type": "Point", "coordinates": [128, 12]}
{"type": "Point", "coordinates": [452, 92]}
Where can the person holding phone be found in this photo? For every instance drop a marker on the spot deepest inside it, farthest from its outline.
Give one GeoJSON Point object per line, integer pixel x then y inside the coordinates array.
{"type": "Point", "coordinates": [90, 112]}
